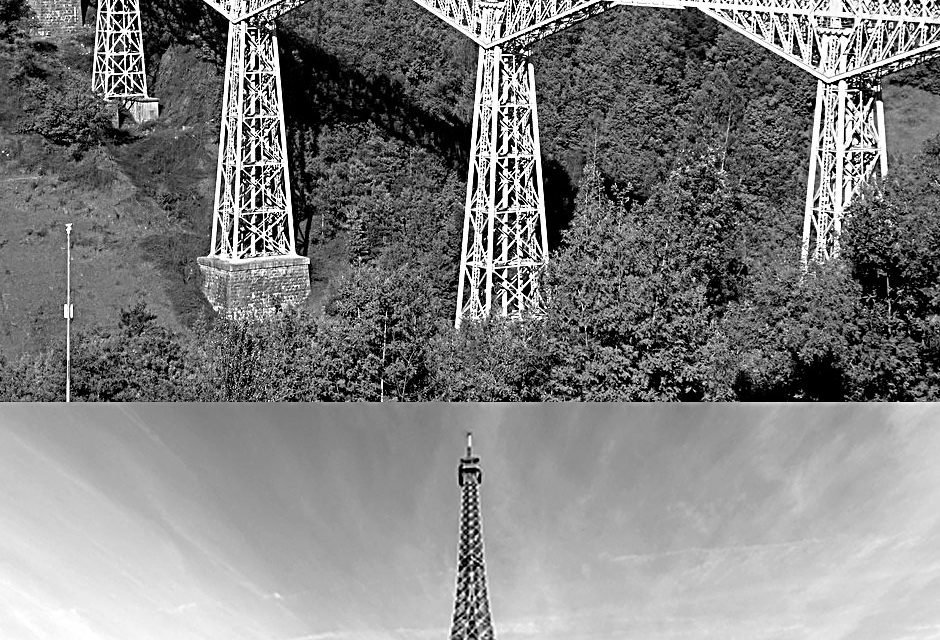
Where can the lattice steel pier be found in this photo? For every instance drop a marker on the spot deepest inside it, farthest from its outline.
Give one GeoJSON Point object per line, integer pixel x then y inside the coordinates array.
{"type": "Point", "coordinates": [472, 619]}
{"type": "Point", "coordinates": [848, 149]}
{"type": "Point", "coordinates": [118, 73]}
{"type": "Point", "coordinates": [848, 46]}
{"type": "Point", "coordinates": [505, 246]}
{"type": "Point", "coordinates": [253, 267]}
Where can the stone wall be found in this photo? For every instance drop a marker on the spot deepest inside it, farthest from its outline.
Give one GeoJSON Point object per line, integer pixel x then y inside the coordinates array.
{"type": "Point", "coordinates": [57, 17]}
{"type": "Point", "coordinates": [255, 287]}
{"type": "Point", "coordinates": [144, 110]}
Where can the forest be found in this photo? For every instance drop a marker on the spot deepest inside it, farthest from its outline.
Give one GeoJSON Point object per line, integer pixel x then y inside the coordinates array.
{"type": "Point", "coordinates": [675, 155]}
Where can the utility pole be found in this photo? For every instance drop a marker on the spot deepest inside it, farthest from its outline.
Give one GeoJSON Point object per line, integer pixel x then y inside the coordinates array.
{"type": "Point", "coordinates": [67, 311]}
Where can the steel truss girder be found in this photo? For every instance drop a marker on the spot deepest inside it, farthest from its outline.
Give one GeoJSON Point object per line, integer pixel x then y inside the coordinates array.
{"type": "Point", "coordinates": [472, 619]}
{"type": "Point", "coordinates": [523, 20]}
{"type": "Point", "coordinates": [875, 33]}
{"type": "Point", "coordinates": [829, 46]}
{"type": "Point", "coordinates": [848, 148]}
{"type": "Point", "coordinates": [267, 10]}
{"type": "Point", "coordinates": [252, 216]}
{"type": "Point", "coordinates": [505, 245]}
{"type": "Point", "coordinates": [118, 65]}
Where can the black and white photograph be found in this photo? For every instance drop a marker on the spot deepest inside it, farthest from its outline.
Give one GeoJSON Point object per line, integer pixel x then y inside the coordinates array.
{"type": "Point", "coordinates": [469, 320]}
{"type": "Point", "coordinates": [470, 523]}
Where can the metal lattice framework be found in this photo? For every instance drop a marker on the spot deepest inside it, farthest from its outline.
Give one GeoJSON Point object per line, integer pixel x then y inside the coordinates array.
{"type": "Point", "coordinates": [472, 619]}
{"type": "Point", "coordinates": [252, 216]}
{"type": "Point", "coordinates": [240, 10]}
{"type": "Point", "coordinates": [876, 33]}
{"type": "Point", "coordinates": [848, 148]}
{"type": "Point", "coordinates": [118, 67]}
{"type": "Point", "coordinates": [505, 245]}
{"type": "Point", "coordinates": [846, 44]}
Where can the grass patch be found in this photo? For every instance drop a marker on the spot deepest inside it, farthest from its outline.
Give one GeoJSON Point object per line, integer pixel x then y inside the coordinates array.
{"type": "Point", "coordinates": [174, 254]}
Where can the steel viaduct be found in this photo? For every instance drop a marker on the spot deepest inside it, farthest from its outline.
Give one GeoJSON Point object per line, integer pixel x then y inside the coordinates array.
{"type": "Point", "coordinates": [847, 45]}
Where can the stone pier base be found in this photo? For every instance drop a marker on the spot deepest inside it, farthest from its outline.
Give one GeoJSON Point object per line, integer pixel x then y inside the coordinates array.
{"type": "Point", "coordinates": [255, 287]}
{"type": "Point", "coordinates": [144, 109]}
{"type": "Point", "coordinates": [56, 18]}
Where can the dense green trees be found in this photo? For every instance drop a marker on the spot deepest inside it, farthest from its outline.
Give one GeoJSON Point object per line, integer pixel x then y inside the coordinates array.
{"type": "Point", "coordinates": [646, 300]}
{"type": "Point", "coordinates": [54, 98]}
{"type": "Point", "coordinates": [637, 288]}
{"type": "Point", "coordinates": [65, 112]}
{"type": "Point", "coordinates": [13, 16]}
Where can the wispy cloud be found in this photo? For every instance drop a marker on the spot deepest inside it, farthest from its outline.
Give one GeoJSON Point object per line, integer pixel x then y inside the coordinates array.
{"type": "Point", "coordinates": [730, 550]}
{"type": "Point", "coordinates": [325, 635]}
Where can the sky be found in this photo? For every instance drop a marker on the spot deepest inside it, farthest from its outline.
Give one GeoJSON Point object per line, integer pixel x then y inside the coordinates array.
{"type": "Point", "coordinates": [244, 522]}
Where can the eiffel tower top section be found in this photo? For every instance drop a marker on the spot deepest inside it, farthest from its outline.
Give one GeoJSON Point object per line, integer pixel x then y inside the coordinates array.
{"type": "Point", "coordinates": [472, 619]}
{"type": "Point", "coordinates": [832, 39]}
{"type": "Point", "coordinates": [469, 469]}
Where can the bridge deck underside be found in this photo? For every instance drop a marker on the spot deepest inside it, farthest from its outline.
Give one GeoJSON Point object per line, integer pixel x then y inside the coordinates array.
{"type": "Point", "coordinates": [871, 34]}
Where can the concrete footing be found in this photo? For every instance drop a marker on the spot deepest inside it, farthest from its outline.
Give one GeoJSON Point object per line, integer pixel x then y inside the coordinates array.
{"type": "Point", "coordinates": [56, 18]}
{"type": "Point", "coordinates": [140, 110]}
{"type": "Point", "coordinates": [144, 109]}
{"type": "Point", "coordinates": [255, 287]}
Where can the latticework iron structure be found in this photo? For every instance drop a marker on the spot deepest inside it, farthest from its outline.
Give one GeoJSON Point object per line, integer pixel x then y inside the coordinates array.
{"type": "Point", "coordinates": [505, 245]}
{"type": "Point", "coordinates": [118, 72]}
{"type": "Point", "coordinates": [848, 45]}
{"type": "Point", "coordinates": [848, 149]}
{"type": "Point", "coordinates": [252, 215]}
{"type": "Point", "coordinates": [472, 619]}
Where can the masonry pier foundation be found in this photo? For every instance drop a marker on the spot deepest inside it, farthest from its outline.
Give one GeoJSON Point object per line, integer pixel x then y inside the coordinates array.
{"type": "Point", "coordinates": [255, 287]}
{"type": "Point", "coordinates": [57, 18]}
{"type": "Point", "coordinates": [144, 109]}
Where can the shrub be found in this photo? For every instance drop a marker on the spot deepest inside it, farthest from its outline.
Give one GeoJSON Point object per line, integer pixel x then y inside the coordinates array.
{"type": "Point", "coordinates": [66, 112]}
{"type": "Point", "coordinates": [13, 15]}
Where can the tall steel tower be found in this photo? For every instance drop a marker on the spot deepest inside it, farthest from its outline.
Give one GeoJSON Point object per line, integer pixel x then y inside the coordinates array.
{"type": "Point", "coordinates": [472, 604]}
{"type": "Point", "coordinates": [253, 266]}
{"type": "Point", "coordinates": [118, 74]}
{"type": "Point", "coordinates": [505, 242]}
{"type": "Point", "coordinates": [505, 245]}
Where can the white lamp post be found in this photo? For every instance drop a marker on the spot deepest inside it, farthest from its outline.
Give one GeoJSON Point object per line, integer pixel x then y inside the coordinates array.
{"type": "Point", "coordinates": [68, 311]}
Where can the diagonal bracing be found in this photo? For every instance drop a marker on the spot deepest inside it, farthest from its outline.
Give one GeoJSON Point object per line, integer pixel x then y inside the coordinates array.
{"type": "Point", "coordinates": [472, 619]}
{"type": "Point", "coordinates": [252, 216]}
{"type": "Point", "coordinates": [505, 245]}
{"type": "Point", "coordinates": [118, 66]}
{"type": "Point", "coordinates": [846, 44]}
{"type": "Point", "coordinates": [848, 149]}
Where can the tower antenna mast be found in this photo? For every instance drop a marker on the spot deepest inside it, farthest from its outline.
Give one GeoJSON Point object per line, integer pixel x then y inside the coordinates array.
{"type": "Point", "coordinates": [472, 620]}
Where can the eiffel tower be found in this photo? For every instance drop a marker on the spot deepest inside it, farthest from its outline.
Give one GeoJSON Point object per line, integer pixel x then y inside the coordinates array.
{"type": "Point", "coordinates": [472, 604]}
